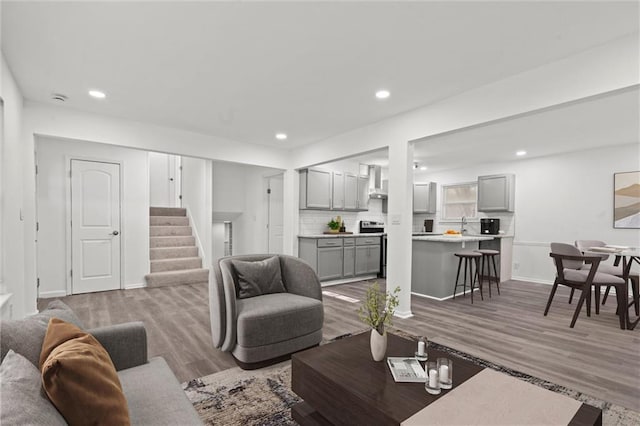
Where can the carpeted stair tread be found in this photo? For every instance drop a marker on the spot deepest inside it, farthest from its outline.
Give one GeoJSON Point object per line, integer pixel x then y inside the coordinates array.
{"type": "Point", "coordinates": [168, 278]}
{"type": "Point", "coordinates": [170, 231]}
{"type": "Point", "coordinates": [172, 241]}
{"type": "Point", "coordinates": [176, 264]}
{"type": "Point", "coordinates": [173, 252]}
{"type": "Point", "coordinates": [168, 221]}
{"type": "Point", "coordinates": [167, 211]}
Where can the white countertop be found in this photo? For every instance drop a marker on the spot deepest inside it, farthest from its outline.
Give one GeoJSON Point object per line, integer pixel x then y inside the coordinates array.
{"type": "Point", "coordinates": [451, 239]}
{"type": "Point", "coordinates": [376, 234]}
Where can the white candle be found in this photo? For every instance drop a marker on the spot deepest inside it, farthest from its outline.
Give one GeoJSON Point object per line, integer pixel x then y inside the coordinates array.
{"type": "Point", "coordinates": [421, 348]}
{"type": "Point", "coordinates": [444, 373]}
{"type": "Point", "coordinates": [433, 378]}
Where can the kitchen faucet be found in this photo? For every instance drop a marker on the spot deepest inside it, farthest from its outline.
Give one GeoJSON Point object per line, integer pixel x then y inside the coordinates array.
{"type": "Point", "coordinates": [463, 222]}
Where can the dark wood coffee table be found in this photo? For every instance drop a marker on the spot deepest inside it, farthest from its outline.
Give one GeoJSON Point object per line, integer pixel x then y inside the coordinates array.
{"type": "Point", "coordinates": [342, 385]}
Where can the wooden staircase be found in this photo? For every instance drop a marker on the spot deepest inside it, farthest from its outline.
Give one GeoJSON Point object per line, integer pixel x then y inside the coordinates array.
{"type": "Point", "coordinates": [172, 248]}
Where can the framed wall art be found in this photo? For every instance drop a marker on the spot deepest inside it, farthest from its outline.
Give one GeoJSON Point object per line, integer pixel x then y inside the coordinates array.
{"type": "Point", "coordinates": [626, 200]}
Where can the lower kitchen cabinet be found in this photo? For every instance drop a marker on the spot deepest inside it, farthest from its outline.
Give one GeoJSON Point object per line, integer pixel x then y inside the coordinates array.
{"type": "Point", "coordinates": [336, 258]}
{"type": "Point", "coordinates": [329, 263]}
{"type": "Point", "coordinates": [349, 262]}
{"type": "Point", "coordinates": [367, 260]}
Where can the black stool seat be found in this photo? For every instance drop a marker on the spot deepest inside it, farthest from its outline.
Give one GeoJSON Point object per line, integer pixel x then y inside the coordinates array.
{"type": "Point", "coordinates": [471, 254]}
{"type": "Point", "coordinates": [489, 259]}
{"type": "Point", "coordinates": [469, 258]}
{"type": "Point", "coordinates": [487, 251]}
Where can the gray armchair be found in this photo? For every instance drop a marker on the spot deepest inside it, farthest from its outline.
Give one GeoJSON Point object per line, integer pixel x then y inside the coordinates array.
{"type": "Point", "coordinates": [263, 329]}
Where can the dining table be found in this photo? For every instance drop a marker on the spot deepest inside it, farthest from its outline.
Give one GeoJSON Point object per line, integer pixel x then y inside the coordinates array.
{"type": "Point", "coordinates": [629, 256]}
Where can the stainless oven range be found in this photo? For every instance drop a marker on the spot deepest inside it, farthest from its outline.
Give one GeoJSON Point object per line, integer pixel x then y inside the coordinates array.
{"type": "Point", "coordinates": [370, 227]}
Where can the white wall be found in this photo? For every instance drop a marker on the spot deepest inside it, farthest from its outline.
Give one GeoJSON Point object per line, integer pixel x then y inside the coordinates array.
{"type": "Point", "coordinates": [560, 198]}
{"type": "Point", "coordinates": [52, 204]}
{"type": "Point", "coordinates": [164, 180]}
{"type": "Point", "coordinates": [239, 196]}
{"type": "Point", "coordinates": [12, 274]}
{"type": "Point", "coordinates": [196, 198]}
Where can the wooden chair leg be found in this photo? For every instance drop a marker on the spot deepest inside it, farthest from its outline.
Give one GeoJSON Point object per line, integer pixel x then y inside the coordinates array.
{"type": "Point", "coordinates": [597, 294]}
{"type": "Point", "coordinates": [583, 295]}
{"type": "Point", "coordinates": [464, 283]}
{"type": "Point", "coordinates": [635, 290]}
{"type": "Point", "coordinates": [455, 288]}
{"type": "Point", "coordinates": [571, 295]}
{"type": "Point", "coordinates": [588, 297]}
{"type": "Point", "coordinates": [606, 294]}
{"type": "Point", "coordinates": [622, 306]}
{"type": "Point", "coordinates": [469, 265]}
{"type": "Point", "coordinates": [477, 275]}
{"type": "Point", "coordinates": [495, 272]}
{"type": "Point", "coordinates": [553, 292]}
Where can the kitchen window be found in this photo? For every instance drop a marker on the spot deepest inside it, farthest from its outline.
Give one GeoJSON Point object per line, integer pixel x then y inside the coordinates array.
{"type": "Point", "coordinates": [460, 200]}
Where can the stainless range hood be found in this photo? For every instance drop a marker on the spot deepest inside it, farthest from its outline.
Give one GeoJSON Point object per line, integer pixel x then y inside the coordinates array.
{"type": "Point", "coordinates": [376, 189]}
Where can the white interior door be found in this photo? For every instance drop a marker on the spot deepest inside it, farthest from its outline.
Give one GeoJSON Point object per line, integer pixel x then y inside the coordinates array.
{"type": "Point", "coordinates": [276, 213]}
{"type": "Point", "coordinates": [164, 180]}
{"type": "Point", "coordinates": [95, 226]}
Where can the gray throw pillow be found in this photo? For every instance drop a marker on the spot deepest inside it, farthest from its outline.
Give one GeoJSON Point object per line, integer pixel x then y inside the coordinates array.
{"type": "Point", "coordinates": [22, 402]}
{"type": "Point", "coordinates": [258, 277]}
{"type": "Point", "coordinates": [25, 336]}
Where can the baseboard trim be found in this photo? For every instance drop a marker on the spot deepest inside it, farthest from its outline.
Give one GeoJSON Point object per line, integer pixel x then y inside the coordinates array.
{"type": "Point", "coordinates": [437, 298]}
{"type": "Point", "coordinates": [403, 314]}
{"type": "Point", "coordinates": [532, 280]}
{"type": "Point", "coordinates": [347, 280]}
{"type": "Point", "coordinates": [51, 294]}
{"type": "Point", "coordinates": [135, 285]}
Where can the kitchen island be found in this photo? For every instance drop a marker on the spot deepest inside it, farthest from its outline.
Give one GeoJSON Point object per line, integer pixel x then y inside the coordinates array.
{"type": "Point", "coordinates": [434, 265]}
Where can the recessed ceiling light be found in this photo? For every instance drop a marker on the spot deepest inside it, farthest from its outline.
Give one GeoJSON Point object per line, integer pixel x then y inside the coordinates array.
{"type": "Point", "coordinates": [521, 153]}
{"type": "Point", "coordinates": [423, 168]}
{"type": "Point", "coordinates": [281, 136]}
{"type": "Point", "coordinates": [382, 94]}
{"type": "Point", "coordinates": [97, 94]}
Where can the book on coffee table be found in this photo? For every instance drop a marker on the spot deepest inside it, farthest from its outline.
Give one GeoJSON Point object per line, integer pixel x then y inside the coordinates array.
{"type": "Point", "coordinates": [406, 369]}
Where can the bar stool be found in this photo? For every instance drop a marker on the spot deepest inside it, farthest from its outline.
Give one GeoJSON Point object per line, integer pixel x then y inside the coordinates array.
{"type": "Point", "coordinates": [469, 257]}
{"type": "Point", "coordinates": [488, 259]}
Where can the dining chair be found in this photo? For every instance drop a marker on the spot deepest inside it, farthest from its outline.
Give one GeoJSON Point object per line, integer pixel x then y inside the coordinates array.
{"type": "Point", "coordinates": [571, 272]}
{"type": "Point", "coordinates": [615, 269]}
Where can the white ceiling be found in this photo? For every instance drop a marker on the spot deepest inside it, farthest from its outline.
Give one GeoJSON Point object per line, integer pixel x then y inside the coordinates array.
{"type": "Point", "coordinates": [246, 70]}
{"type": "Point", "coordinates": [607, 120]}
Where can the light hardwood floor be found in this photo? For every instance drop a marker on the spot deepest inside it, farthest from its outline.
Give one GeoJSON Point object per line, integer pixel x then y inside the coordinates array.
{"type": "Point", "coordinates": [595, 357]}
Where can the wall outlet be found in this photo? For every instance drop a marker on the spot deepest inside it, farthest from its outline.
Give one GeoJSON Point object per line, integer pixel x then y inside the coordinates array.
{"type": "Point", "coordinates": [516, 266]}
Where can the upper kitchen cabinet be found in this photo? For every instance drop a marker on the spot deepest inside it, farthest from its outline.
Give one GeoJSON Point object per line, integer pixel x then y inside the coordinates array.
{"type": "Point", "coordinates": [363, 193]}
{"type": "Point", "coordinates": [356, 192]}
{"type": "Point", "coordinates": [315, 189]}
{"type": "Point", "coordinates": [424, 197]}
{"type": "Point", "coordinates": [496, 193]}
{"type": "Point", "coordinates": [337, 199]}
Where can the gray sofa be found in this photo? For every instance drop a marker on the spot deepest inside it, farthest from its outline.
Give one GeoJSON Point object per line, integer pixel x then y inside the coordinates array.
{"type": "Point", "coordinates": [154, 395]}
{"type": "Point", "coordinates": [268, 326]}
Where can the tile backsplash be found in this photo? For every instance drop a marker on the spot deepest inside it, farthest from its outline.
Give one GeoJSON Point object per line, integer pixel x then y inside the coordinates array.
{"type": "Point", "coordinates": [314, 222]}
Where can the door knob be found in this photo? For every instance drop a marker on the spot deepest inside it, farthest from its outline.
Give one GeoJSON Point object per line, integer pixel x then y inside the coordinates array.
{"type": "Point", "coordinates": [115, 233]}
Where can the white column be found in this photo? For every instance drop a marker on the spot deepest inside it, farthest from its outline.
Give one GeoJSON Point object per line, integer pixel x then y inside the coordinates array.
{"type": "Point", "coordinates": [400, 223]}
{"type": "Point", "coordinates": [291, 213]}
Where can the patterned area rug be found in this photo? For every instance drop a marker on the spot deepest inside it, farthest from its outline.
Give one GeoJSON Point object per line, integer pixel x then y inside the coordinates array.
{"type": "Point", "coordinates": [264, 397]}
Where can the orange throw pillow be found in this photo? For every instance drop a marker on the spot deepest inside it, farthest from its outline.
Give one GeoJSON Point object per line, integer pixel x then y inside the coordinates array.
{"type": "Point", "coordinates": [79, 377]}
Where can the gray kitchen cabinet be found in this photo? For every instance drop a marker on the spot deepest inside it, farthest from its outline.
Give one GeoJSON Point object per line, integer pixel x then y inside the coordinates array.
{"type": "Point", "coordinates": [315, 189]}
{"type": "Point", "coordinates": [349, 262]}
{"type": "Point", "coordinates": [496, 193]}
{"type": "Point", "coordinates": [341, 257]}
{"type": "Point", "coordinates": [424, 197]}
{"type": "Point", "coordinates": [350, 191]}
{"type": "Point", "coordinates": [363, 193]}
{"type": "Point", "coordinates": [330, 263]}
{"type": "Point", "coordinates": [337, 199]}
{"type": "Point", "coordinates": [367, 255]}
